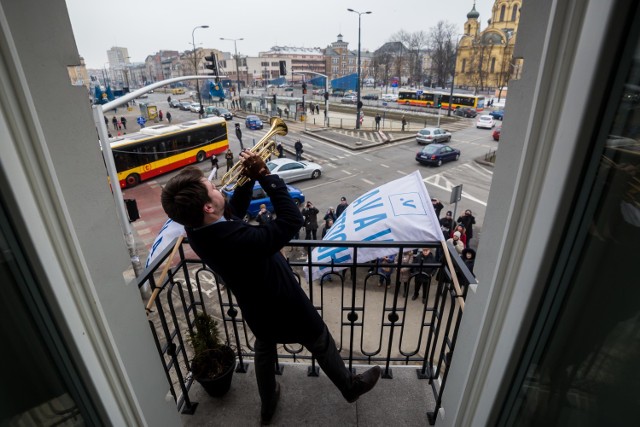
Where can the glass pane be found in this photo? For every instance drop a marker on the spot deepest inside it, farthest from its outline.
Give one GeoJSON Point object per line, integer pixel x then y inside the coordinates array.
{"type": "Point", "coordinates": [586, 372]}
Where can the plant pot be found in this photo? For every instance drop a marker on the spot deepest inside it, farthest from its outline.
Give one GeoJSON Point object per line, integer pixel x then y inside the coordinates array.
{"type": "Point", "coordinates": [219, 386]}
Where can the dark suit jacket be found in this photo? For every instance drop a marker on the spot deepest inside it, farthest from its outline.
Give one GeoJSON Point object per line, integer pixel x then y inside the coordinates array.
{"type": "Point", "coordinates": [248, 259]}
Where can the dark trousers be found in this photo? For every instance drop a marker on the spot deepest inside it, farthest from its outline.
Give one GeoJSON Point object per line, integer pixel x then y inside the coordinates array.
{"type": "Point", "coordinates": [311, 233]}
{"type": "Point", "coordinates": [424, 282]}
{"type": "Point", "coordinates": [323, 349]}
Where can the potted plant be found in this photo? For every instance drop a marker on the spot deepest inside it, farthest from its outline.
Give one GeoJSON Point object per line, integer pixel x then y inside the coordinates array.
{"type": "Point", "coordinates": [213, 361]}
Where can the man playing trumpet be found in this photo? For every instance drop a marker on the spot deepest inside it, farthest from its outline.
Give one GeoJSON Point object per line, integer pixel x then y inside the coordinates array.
{"type": "Point", "coordinates": [273, 303]}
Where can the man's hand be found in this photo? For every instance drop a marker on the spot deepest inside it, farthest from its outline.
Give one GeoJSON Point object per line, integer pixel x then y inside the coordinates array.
{"type": "Point", "coordinates": [253, 167]}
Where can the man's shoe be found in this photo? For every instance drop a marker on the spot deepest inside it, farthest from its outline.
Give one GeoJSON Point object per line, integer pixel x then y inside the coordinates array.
{"type": "Point", "coordinates": [415, 297]}
{"type": "Point", "coordinates": [266, 414]}
{"type": "Point", "coordinates": [362, 383]}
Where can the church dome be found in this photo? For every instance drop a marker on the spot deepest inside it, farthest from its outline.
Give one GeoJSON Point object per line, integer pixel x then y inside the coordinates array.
{"type": "Point", "coordinates": [474, 13]}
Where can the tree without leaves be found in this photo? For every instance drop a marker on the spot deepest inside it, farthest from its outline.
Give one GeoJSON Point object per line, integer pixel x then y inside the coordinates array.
{"type": "Point", "coordinates": [443, 50]}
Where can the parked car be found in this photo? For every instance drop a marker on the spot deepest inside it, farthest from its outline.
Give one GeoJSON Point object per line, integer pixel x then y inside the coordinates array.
{"type": "Point", "coordinates": [485, 121]}
{"type": "Point", "coordinates": [349, 99]}
{"type": "Point", "coordinates": [288, 89]}
{"type": "Point", "coordinates": [194, 107]}
{"type": "Point", "coordinates": [259, 197]}
{"type": "Point", "coordinates": [184, 106]}
{"type": "Point", "coordinates": [498, 114]}
{"type": "Point", "coordinates": [291, 170]}
{"type": "Point", "coordinates": [174, 103]}
{"type": "Point", "coordinates": [432, 135]}
{"type": "Point", "coordinates": [465, 112]}
{"type": "Point", "coordinates": [496, 133]}
{"type": "Point", "coordinates": [437, 154]}
{"type": "Point", "coordinates": [218, 112]}
{"type": "Point", "coordinates": [253, 122]}
{"type": "Point", "coordinates": [389, 97]}
{"type": "Point", "coordinates": [370, 96]}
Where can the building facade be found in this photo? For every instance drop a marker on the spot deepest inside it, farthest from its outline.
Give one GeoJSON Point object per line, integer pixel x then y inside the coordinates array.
{"type": "Point", "coordinates": [299, 60]}
{"type": "Point", "coordinates": [485, 59]}
{"type": "Point", "coordinates": [340, 61]}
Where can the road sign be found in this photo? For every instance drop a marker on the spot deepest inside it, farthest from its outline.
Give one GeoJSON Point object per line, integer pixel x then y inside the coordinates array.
{"type": "Point", "coordinates": [141, 121]}
{"type": "Point", "coordinates": [419, 92]}
{"type": "Point", "coordinates": [456, 194]}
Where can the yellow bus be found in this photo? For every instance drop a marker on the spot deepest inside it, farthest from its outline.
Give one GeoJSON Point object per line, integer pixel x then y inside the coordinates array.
{"type": "Point", "coordinates": [162, 148]}
{"type": "Point", "coordinates": [429, 99]}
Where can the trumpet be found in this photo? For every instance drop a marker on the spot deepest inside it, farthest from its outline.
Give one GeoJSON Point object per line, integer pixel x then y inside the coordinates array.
{"type": "Point", "coordinates": [265, 148]}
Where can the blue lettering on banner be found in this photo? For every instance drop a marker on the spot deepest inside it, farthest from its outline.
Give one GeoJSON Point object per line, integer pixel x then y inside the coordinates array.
{"type": "Point", "coordinates": [368, 221]}
{"type": "Point", "coordinates": [379, 234]}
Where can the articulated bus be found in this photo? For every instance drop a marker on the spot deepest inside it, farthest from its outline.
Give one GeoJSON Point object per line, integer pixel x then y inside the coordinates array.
{"type": "Point", "coordinates": [428, 99]}
{"type": "Point", "coordinates": [162, 148]}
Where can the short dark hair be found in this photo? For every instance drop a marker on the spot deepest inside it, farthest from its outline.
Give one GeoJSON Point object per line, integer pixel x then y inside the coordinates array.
{"type": "Point", "coordinates": [184, 196]}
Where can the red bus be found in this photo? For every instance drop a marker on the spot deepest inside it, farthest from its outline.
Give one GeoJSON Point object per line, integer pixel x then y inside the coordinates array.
{"type": "Point", "coordinates": [162, 148]}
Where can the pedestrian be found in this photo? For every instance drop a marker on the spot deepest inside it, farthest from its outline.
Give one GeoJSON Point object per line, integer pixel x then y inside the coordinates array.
{"type": "Point", "coordinates": [229, 157]}
{"type": "Point", "coordinates": [280, 150]}
{"type": "Point", "coordinates": [214, 168]}
{"type": "Point", "coordinates": [317, 109]}
{"type": "Point", "coordinates": [467, 220]}
{"type": "Point", "coordinates": [169, 99]}
{"type": "Point", "coordinates": [378, 118]}
{"type": "Point", "coordinates": [264, 216]}
{"type": "Point", "coordinates": [405, 271]}
{"type": "Point", "coordinates": [310, 215]}
{"type": "Point", "coordinates": [299, 150]}
{"type": "Point", "coordinates": [437, 207]}
{"type": "Point", "coordinates": [277, 311]}
{"type": "Point", "coordinates": [330, 215]}
{"type": "Point", "coordinates": [169, 116]}
{"type": "Point", "coordinates": [456, 242]}
{"type": "Point", "coordinates": [423, 273]}
{"type": "Point", "coordinates": [123, 120]}
{"type": "Point", "coordinates": [279, 112]}
{"type": "Point", "coordinates": [469, 258]}
{"type": "Point", "coordinates": [446, 225]}
{"type": "Point", "coordinates": [342, 206]}
{"type": "Point", "coordinates": [115, 123]}
{"type": "Point", "coordinates": [160, 115]}
{"type": "Point", "coordinates": [286, 112]}
{"type": "Point", "coordinates": [327, 226]}
{"type": "Point", "coordinates": [384, 269]}
{"type": "Point", "coordinates": [239, 135]}
{"type": "Point", "coordinates": [404, 122]}
{"type": "Point", "coordinates": [463, 234]}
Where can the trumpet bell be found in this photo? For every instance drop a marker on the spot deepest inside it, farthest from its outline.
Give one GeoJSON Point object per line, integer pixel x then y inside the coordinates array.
{"type": "Point", "coordinates": [264, 148]}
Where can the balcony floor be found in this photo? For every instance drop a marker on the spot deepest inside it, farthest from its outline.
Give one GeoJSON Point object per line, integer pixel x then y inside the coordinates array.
{"type": "Point", "coordinates": [314, 401]}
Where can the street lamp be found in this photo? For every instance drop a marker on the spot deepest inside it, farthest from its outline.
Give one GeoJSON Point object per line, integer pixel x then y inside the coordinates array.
{"type": "Point", "coordinates": [235, 48]}
{"type": "Point", "coordinates": [453, 76]}
{"type": "Point", "coordinates": [195, 62]}
{"type": "Point", "coordinates": [359, 104]}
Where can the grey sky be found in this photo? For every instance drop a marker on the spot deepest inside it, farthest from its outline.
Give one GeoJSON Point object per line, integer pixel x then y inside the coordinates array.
{"type": "Point", "coordinates": [147, 27]}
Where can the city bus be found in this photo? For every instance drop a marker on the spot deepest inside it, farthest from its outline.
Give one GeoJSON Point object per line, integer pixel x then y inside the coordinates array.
{"type": "Point", "coordinates": [159, 149]}
{"type": "Point", "coordinates": [426, 98]}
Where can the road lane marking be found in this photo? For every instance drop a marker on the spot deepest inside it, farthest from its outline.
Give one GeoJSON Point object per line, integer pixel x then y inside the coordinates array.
{"type": "Point", "coordinates": [367, 181]}
{"type": "Point", "coordinates": [383, 165]}
{"type": "Point", "coordinates": [347, 172]}
{"type": "Point", "coordinates": [446, 185]}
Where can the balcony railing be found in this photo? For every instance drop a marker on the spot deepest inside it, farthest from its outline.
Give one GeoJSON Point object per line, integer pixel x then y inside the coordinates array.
{"type": "Point", "coordinates": [366, 311]}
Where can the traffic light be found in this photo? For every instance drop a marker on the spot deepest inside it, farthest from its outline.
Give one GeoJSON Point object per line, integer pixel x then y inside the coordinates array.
{"type": "Point", "coordinates": [274, 100]}
{"type": "Point", "coordinates": [283, 68]}
{"type": "Point", "coordinates": [437, 101]}
{"type": "Point", "coordinates": [326, 96]}
{"type": "Point", "coordinates": [212, 63]}
{"type": "Point", "coordinates": [359, 105]}
{"type": "Point", "coordinates": [304, 88]}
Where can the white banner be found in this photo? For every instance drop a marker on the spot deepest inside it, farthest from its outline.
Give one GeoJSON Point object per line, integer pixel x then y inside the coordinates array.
{"type": "Point", "coordinates": [397, 211]}
{"type": "Point", "coordinates": [168, 233]}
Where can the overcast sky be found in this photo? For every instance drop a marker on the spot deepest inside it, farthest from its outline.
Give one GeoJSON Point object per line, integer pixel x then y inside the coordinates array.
{"type": "Point", "coordinates": [147, 27]}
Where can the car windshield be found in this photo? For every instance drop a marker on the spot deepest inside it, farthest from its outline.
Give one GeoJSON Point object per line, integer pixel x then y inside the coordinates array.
{"type": "Point", "coordinates": [271, 166]}
{"type": "Point", "coordinates": [223, 110]}
{"type": "Point", "coordinates": [425, 132]}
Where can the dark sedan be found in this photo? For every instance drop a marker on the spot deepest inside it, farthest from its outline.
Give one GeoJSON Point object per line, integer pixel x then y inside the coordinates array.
{"type": "Point", "coordinates": [370, 96]}
{"type": "Point", "coordinates": [465, 112]}
{"type": "Point", "coordinates": [437, 154]}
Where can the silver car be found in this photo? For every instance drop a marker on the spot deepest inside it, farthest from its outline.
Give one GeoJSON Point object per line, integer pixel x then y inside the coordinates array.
{"type": "Point", "coordinates": [432, 135]}
{"type": "Point", "coordinates": [291, 170]}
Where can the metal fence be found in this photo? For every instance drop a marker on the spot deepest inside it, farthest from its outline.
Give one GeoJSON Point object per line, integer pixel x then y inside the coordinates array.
{"type": "Point", "coordinates": [364, 307]}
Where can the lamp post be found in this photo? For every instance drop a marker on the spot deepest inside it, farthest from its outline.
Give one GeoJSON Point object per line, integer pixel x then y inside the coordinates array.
{"type": "Point", "coordinates": [358, 104]}
{"type": "Point", "coordinates": [235, 48]}
{"type": "Point", "coordinates": [195, 63]}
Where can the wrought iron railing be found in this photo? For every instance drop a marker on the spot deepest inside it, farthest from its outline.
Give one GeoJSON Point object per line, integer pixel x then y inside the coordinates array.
{"type": "Point", "coordinates": [373, 323]}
